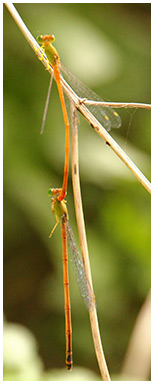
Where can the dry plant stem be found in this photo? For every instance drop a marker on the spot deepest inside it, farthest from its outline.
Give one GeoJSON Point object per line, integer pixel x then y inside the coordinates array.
{"type": "Point", "coordinates": [83, 242]}
{"type": "Point", "coordinates": [29, 37]}
{"type": "Point", "coordinates": [105, 136]}
{"type": "Point", "coordinates": [79, 103]}
{"type": "Point", "coordinates": [137, 359]}
{"type": "Point", "coordinates": [118, 105]}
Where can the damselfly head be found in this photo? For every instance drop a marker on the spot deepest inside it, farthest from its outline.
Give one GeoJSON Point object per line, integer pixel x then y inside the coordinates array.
{"type": "Point", "coordinates": [41, 39]}
{"type": "Point", "coordinates": [53, 192]}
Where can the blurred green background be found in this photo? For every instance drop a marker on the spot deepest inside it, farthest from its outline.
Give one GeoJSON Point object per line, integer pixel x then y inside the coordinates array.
{"type": "Point", "coordinates": [108, 47]}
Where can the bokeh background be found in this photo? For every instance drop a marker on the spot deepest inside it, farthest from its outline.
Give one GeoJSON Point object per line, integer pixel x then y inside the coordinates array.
{"type": "Point", "coordinates": [108, 47]}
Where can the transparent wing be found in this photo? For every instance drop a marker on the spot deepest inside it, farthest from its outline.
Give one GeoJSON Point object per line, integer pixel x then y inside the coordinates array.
{"type": "Point", "coordinates": [105, 115]}
{"type": "Point", "coordinates": [79, 269]}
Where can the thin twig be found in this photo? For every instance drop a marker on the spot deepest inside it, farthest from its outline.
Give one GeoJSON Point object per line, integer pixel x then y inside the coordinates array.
{"type": "Point", "coordinates": [117, 105]}
{"type": "Point", "coordinates": [29, 37]}
{"type": "Point", "coordinates": [137, 359]}
{"type": "Point", "coordinates": [83, 242]}
{"type": "Point", "coordinates": [79, 103]}
{"type": "Point", "coordinates": [101, 131]}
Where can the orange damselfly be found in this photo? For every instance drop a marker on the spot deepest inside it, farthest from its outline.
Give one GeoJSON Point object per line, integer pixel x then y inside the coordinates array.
{"type": "Point", "coordinates": [53, 58]}
{"type": "Point", "coordinates": [60, 210]}
{"type": "Point", "coordinates": [107, 115]}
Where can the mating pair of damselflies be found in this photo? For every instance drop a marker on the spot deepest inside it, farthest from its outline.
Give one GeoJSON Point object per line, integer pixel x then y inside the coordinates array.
{"type": "Point", "coordinates": [109, 119]}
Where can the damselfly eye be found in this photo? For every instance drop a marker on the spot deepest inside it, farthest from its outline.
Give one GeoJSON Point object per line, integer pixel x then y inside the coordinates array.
{"type": "Point", "coordinates": [50, 192]}
{"type": "Point", "coordinates": [39, 39]}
